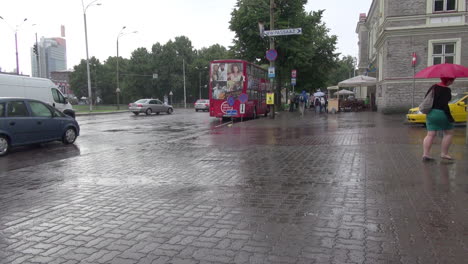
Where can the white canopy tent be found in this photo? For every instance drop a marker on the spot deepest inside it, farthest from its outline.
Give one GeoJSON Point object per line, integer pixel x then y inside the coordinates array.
{"type": "Point", "coordinates": [344, 92]}
{"type": "Point", "coordinates": [357, 81]}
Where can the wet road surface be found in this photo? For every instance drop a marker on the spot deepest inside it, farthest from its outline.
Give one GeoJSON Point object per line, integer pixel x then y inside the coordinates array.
{"type": "Point", "coordinates": [347, 188]}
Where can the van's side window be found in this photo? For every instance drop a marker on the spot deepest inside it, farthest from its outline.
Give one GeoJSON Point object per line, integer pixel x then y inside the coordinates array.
{"type": "Point", "coordinates": [58, 97]}
{"type": "Point", "coordinates": [2, 110]}
{"type": "Point", "coordinates": [17, 109]}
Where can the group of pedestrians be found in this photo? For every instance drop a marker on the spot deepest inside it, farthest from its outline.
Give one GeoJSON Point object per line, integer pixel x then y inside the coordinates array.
{"type": "Point", "coordinates": [303, 101]}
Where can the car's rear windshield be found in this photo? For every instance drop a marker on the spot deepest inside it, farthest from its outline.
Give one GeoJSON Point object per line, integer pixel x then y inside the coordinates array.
{"type": "Point", "coordinates": [141, 101]}
{"type": "Point", "coordinates": [202, 101]}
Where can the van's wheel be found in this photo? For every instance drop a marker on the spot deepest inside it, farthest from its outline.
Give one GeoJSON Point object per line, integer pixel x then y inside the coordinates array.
{"type": "Point", "coordinates": [4, 145]}
{"type": "Point", "coordinates": [170, 110]}
{"type": "Point", "coordinates": [148, 111]}
{"type": "Point", "coordinates": [69, 136]}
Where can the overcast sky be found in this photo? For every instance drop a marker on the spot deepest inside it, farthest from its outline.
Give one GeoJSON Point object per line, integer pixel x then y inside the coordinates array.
{"type": "Point", "coordinates": [204, 22]}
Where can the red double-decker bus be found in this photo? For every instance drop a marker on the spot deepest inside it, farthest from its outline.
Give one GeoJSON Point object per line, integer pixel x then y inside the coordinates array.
{"type": "Point", "coordinates": [234, 81]}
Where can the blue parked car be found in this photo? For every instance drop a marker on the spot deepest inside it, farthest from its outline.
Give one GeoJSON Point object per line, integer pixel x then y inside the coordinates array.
{"type": "Point", "coordinates": [27, 121]}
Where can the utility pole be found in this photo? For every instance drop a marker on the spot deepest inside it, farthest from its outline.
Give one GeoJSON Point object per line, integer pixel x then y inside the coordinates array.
{"type": "Point", "coordinates": [185, 91]}
{"type": "Point", "coordinates": [272, 45]}
{"type": "Point", "coordinates": [37, 59]}
{"type": "Point", "coordinates": [199, 84]}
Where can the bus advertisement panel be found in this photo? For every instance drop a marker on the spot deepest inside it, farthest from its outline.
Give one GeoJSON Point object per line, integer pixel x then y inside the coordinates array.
{"type": "Point", "coordinates": [231, 78]}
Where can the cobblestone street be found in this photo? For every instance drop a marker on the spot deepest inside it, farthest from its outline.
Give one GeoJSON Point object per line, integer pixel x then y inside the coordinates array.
{"type": "Point", "coordinates": [345, 188]}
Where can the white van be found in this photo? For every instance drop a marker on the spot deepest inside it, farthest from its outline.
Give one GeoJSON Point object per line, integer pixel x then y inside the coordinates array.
{"type": "Point", "coordinates": [34, 88]}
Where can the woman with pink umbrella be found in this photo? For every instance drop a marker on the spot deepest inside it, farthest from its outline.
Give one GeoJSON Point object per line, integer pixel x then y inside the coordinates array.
{"type": "Point", "coordinates": [439, 117]}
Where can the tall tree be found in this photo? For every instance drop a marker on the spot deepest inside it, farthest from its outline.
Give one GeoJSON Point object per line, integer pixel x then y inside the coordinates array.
{"type": "Point", "coordinates": [312, 53]}
{"type": "Point", "coordinates": [136, 73]}
{"type": "Point", "coordinates": [344, 69]}
{"type": "Point", "coordinates": [79, 79]}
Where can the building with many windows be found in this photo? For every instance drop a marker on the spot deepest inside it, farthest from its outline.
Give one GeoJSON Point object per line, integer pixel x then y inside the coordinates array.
{"type": "Point", "coordinates": [400, 37]}
{"type": "Point", "coordinates": [52, 56]}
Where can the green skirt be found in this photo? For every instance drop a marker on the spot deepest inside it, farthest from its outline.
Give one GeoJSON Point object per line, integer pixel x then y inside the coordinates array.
{"type": "Point", "coordinates": [437, 120]}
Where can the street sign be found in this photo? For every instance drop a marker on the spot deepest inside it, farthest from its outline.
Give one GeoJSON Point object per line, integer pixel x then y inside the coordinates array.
{"type": "Point", "coordinates": [293, 74]}
{"type": "Point", "coordinates": [271, 55]}
{"type": "Point", "coordinates": [231, 112]}
{"type": "Point", "coordinates": [271, 72]}
{"type": "Point", "coordinates": [283, 32]}
{"type": "Point", "coordinates": [243, 98]}
{"type": "Point", "coordinates": [414, 59]}
{"type": "Point", "coordinates": [242, 108]}
{"type": "Point", "coordinates": [231, 101]}
{"type": "Point", "coordinates": [293, 81]}
{"type": "Point", "coordinates": [155, 75]}
{"type": "Point", "coordinates": [270, 99]}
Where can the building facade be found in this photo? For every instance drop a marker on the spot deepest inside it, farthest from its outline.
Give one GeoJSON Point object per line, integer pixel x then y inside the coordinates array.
{"type": "Point", "coordinates": [52, 56]}
{"type": "Point", "coordinates": [395, 31]}
{"type": "Point", "coordinates": [62, 80]}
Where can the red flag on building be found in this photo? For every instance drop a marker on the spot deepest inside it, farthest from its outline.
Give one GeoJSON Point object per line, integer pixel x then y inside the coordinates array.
{"type": "Point", "coordinates": [414, 60]}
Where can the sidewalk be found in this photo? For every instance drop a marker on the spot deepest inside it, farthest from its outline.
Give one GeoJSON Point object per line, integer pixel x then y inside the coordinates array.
{"type": "Point", "coordinates": [336, 189]}
{"type": "Point", "coordinates": [352, 187]}
{"type": "Point", "coordinates": [100, 113]}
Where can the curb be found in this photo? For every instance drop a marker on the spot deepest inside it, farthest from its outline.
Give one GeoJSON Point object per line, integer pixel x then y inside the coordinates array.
{"type": "Point", "coordinates": [100, 113]}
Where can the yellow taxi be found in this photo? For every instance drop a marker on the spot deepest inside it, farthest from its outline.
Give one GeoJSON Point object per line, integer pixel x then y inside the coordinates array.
{"type": "Point", "coordinates": [458, 107]}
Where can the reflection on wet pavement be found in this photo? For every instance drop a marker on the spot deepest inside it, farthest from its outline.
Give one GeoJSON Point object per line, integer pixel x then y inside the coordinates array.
{"type": "Point", "coordinates": [346, 188]}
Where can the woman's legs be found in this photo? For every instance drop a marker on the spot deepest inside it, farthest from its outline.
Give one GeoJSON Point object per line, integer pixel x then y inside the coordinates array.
{"type": "Point", "coordinates": [446, 142]}
{"type": "Point", "coordinates": [427, 143]}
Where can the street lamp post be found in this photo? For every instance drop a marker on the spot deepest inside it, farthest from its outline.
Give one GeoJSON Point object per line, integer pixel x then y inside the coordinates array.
{"type": "Point", "coordinates": [199, 84]}
{"type": "Point", "coordinates": [185, 91]}
{"type": "Point", "coordinates": [90, 98]}
{"type": "Point", "coordinates": [38, 69]}
{"type": "Point", "coordinates": [183, 72]}
{"type": "Point", "coordinates": [199, 80]}
{"type": "Point", "coordinates": [121, 33]}
{"type": "Point", "coordinates": [16, 41]}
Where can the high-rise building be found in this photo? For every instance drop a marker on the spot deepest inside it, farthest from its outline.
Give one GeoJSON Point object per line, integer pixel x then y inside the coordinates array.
{"type": "Point", "coordinates": [52, 57]}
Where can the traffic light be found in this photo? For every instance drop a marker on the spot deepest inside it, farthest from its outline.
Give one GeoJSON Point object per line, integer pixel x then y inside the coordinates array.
{"type": "Point", "coordinates": [35, 49]}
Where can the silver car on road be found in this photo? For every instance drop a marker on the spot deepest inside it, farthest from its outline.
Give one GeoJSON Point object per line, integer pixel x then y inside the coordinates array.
{"type": "Point", "coordinates": [202, 104]}
{"type": "Point", "coordinates": [149, 106]}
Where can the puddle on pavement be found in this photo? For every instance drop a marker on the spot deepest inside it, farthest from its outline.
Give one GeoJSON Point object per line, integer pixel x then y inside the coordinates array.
{"type": "Point", "coordinates": [115, 130]}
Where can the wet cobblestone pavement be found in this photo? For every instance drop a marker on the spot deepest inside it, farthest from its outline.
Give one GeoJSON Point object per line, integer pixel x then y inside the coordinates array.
{"type": "Point", "coordinates": [347, 188]}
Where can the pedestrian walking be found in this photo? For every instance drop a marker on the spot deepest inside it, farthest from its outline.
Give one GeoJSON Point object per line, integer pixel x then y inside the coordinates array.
{"type": "Point", "coordinates": [326, 104]}
{"type": "Point", "coordinates": [291, 102]}
{"type": "Point", "coordinates": [302, 102]}
{"type": "Point", "coordinates": [439, 119]}
{"type": "Point", "coordinates": [317, 104]}
{"type": "Point", "coordinates": [322, 104]}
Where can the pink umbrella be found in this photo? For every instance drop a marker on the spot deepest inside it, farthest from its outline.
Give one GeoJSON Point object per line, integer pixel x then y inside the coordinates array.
{"type": "Point", "coordinates": [447, 70]}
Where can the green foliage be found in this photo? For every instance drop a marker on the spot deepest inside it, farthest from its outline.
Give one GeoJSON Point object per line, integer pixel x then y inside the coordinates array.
{"type": "Point", "coordinates": [312, 53]}
{"type": "Point", "coordinates": [136, 73]}
{"type": "Point", "coordinates": [344, 69]}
